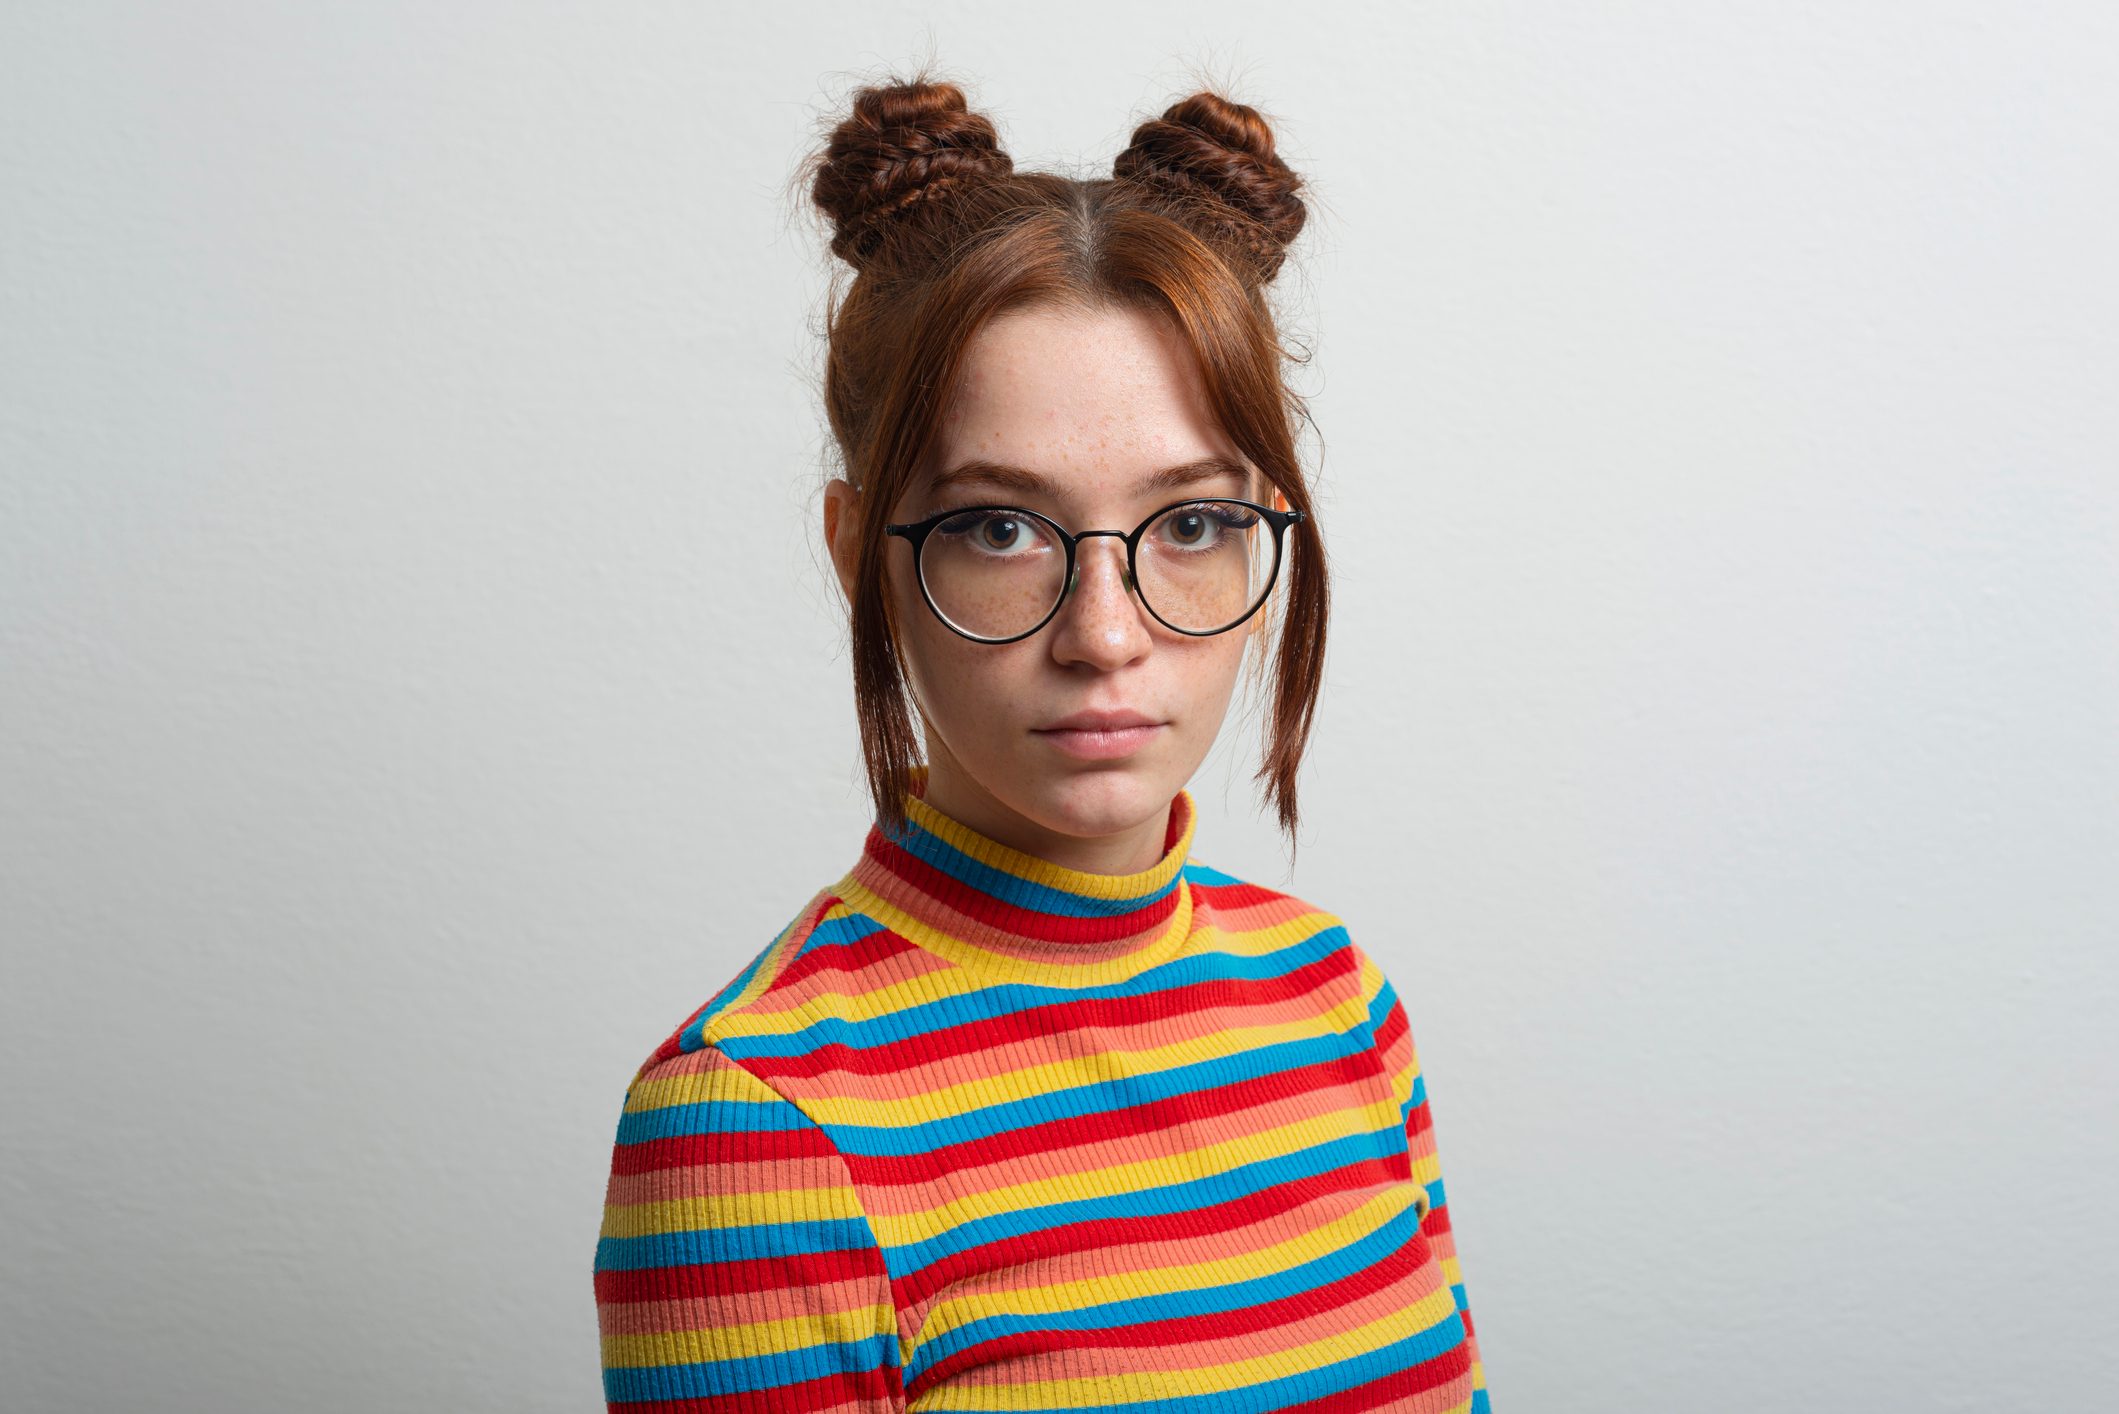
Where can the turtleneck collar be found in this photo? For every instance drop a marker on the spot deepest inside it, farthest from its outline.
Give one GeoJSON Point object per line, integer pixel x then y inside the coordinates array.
{"type": "Point", "coordinates": [945, 885]}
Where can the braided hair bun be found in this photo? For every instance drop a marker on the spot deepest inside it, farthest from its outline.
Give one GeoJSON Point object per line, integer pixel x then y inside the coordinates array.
{"type": "Point", "coordinates": [1215, 158]}
{"type": "Point", "coordinates": [905, 147]}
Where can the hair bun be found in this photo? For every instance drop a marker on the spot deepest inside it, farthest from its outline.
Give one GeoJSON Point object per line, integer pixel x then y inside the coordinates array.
{"type": "Point", "coordinates": [904, 144]}
{"type": "Point", "coordinates": [1217, 156]}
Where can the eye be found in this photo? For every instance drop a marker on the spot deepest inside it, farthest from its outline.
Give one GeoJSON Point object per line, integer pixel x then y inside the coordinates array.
{"type": "Point", "coordinates": [1203, 525]}
{"type": "Point", "coordinates": [997, 532]}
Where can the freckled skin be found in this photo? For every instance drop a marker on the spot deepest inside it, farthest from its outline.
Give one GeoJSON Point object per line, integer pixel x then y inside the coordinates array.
{"type": "Point", "coordinates": [1095, 400]}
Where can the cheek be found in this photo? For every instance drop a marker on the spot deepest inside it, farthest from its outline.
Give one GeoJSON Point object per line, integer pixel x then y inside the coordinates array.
{"type": "Point", "coordinates": [1214, 668]}
{"type": "Point", "coordinates": [954, 679]}
{"type": "Point", "coordinates": [970, 692]}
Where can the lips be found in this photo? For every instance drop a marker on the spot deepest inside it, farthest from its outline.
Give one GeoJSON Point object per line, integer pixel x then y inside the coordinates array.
{"type": "Point", "coordinates": [1100, 742]}
{"type": "Point", "coordinates": [1100, 722]}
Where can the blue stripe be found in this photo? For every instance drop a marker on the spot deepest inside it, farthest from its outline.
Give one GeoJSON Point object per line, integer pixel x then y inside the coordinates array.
{"type": "Point", "coordinates": [1414, 1099]}
{"type": "Point", "coordinates": [1005, 999]}
{"type": "Point", "coordinates": [1020, 892]}
{"type": "Point", "coordinates": [750, 1242]}
{"type": "Point", "coordinates": [1102, 1097]}
{"type": "Point", "coordinates": [1244, 1295]}
{"type": "Point", "coordinates": [711, 1117]}
{"type": "Point", "coordinates": [1210, 1190]}
{"type": "Point", "coordinates": [1298, 1391]}
{"type": "Point", "coordinates": [694, 1035]}
{"type": "Point", "coordinates": [846, 930]}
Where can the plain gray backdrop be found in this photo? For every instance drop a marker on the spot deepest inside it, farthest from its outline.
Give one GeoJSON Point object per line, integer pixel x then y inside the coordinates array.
{"type": "Point", "coordinates": [421, 683]}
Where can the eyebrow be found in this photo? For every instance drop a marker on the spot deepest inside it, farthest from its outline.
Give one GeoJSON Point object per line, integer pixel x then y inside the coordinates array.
{"type": "Point", "coordinates": [1016, 478]}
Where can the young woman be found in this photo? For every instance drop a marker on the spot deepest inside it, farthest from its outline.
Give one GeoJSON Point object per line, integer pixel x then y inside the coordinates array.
{"type": "Point", "coordinates": [1032, 1108]}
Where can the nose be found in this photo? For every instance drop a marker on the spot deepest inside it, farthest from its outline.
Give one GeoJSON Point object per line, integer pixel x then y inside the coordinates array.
{"type": "Point", "coordinates": [1118, 555]}
{"type": "Point", "coordinates": [1099, 617]}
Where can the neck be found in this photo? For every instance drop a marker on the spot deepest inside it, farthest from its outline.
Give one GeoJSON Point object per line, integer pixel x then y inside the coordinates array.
{"type": "Point", "coordinates": [958, 796]}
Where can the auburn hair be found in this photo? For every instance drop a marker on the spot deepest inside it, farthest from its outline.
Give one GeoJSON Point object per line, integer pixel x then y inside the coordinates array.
{"type": "Point", "coordinates": [941, 233]}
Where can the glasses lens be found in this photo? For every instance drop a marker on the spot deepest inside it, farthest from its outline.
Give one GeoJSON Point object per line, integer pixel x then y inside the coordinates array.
{"type": "Point", "coordinates": [1204, 565]}
{"type": "Point", "coordinates": [993, 573]}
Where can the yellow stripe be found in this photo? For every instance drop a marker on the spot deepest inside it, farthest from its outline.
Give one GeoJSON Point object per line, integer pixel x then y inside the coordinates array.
{"type": "Point", "coordinates": [864, 1006]}
{"type": "Point", "coordinates": [943, 985]}
{"type": "Point", "coordinates": [1031, 1082]}
{"type": "Point", "coordinates": [853, 1326]}
{"type": "Point", "coordinates": [667, 1091]}
{"type": "Point", "coordinates": [1150, 1385]}
{"type": "Point", "coordinates": [780, 949]}
{"type": "Point", "coordinates": [1059, 1297]}
{"type": "Point", "coordinates": [1137, 1176]}
{"type": "Point", "coordinates": [1178, 931]}
{"type": "Point", "coordinates": [1371, 975]}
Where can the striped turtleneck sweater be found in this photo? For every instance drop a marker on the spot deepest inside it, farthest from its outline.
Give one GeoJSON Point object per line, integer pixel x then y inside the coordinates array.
{"type": "Point", "coordinates": [977, 1131]}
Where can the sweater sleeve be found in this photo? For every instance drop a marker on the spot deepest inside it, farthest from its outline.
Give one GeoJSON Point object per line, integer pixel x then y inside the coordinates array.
{"type": "Point", "coordinates": [1402, 1059]}
{"type": "Point", "coordinates": [736, 1272]}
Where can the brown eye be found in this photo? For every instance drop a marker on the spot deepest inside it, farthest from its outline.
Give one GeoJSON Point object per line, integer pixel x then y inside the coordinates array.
{"type": "Point", "coordinates": [1207, 525]}
{"type": "Point", "coordinates": [995, 534]}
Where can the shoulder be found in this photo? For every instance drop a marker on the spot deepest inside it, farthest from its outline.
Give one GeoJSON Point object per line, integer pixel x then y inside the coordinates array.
{"type": "Point", "coordinates": [722, 1189]}
{"type": "Point", "coordinates": [1343, 934]}
{"type": "Point", "coordinates": [1254, 917]}
{"type": "Point", "coordinates": [732, 1110]}
{"type": "Point", "coordinates": [690, 1047]}
{"type": "Point", "coordinates": [686, 1098]}
{"type": "Point", "coordinates": [1244, 906]}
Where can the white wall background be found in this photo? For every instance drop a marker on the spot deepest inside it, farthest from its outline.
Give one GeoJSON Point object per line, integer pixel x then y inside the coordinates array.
{"type": "Point", "coordinates": [1722, 465]}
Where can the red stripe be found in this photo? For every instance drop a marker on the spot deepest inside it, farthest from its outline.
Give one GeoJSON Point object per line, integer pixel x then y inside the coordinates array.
{"type": "Point", "coordinates": [680, 1281]}
{"type": "Point", "coordinates": [1387, 1390]}
{"type": "Point", "coordinates": [724, 1146]}
{"type": "Point", "coordinates": [975, 902]}
{"type": "Point", "coordinates": [1232, 897]}
{"type": "Point", "coordinates": [841, 958]}
{"type": "Point", "coordinates": [1068, 1131]}
{"type": "Point", "coordinates": [1244, 1210]}
{"type": "Point", "coordinates": [1302, 993]}
{"type": "Point", "coordinates": [1183, 1330]}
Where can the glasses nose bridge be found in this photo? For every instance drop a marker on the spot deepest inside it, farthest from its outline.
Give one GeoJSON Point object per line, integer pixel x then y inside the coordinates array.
{"type": "Point", "coordinates": [1125, 559]}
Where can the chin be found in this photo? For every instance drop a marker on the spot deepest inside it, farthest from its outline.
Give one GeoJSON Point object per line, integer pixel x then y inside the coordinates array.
{"type": "Point", "coordinates": [1106, 786]}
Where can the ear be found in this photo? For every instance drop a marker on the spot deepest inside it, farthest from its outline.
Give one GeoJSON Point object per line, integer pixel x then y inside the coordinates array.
{"type": "Point", "coordinates": [841, 508]}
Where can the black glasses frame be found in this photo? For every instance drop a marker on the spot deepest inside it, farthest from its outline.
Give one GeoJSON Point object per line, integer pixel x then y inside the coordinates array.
{"type": "Point", "coordinates": [917, 532]}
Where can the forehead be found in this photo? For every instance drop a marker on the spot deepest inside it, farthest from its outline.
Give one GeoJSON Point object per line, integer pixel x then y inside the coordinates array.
{"type": "Point", "coordinates": [1090, 399]}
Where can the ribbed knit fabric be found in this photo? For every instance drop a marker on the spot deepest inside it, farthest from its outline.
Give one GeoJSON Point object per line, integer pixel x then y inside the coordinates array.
{"type": "Point", "coordinates": [981, 1132]}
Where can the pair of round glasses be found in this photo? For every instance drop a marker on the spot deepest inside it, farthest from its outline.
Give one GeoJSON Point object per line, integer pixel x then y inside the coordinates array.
{"type": "Point", "coordinates": [999, 573]}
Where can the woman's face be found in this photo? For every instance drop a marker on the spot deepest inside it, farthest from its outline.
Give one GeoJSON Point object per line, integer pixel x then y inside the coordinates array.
{"type": "Point", "coordinates": [1094, 403]}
